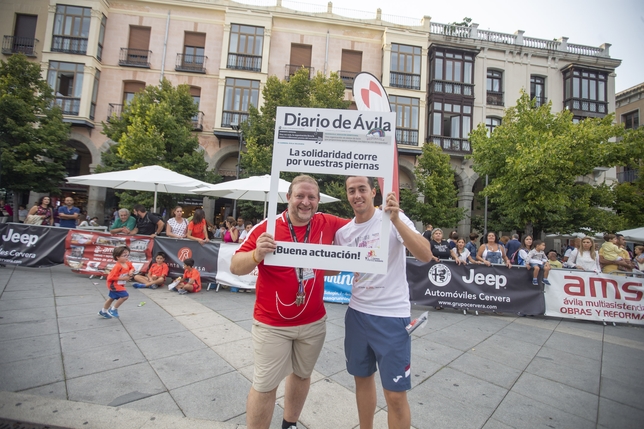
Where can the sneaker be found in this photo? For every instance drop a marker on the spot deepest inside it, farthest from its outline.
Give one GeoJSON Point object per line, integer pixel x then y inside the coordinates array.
{"type": "Point", "coordinates": [154, 286]}
{"type": "Point", "coordinates": [182, 291]}
{"type": "Point", "coordinates": [546, 282]}
{"type": "Point", "coordinates": [535, 282]}
{"type": "Point", "coordinates": [104, 314]}
{"type": "Point", "coordinates": [138, 285]}
{"type": "Point", "coordinates": [113, 312]}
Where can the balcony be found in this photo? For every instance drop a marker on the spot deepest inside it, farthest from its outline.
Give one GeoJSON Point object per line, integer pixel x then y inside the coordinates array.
{"type": "Point", "coordinates": [291, 69]}
{"type": "Point", "coordinates": [69, 45]}
{"type": "Point", "coordinates": [191, 63]}
{"type": "Point", "coordinates": [407, 136]}
{"type": "Point", "coordinates": [114, 111]}
{"type": "Point", "coordinates": [134, 58]}
{"type": "Point", "coordinates": [494, 98]}
{"type": "Point", "coordinates": [592, 108]}
{"type": "Point", "coordinates": [539, 101]}
{"type": "Point", "coordinates": [452, 145]}
{"type": "Point", "coordinates": [244, 62]}
{"type": "Point", "coordinates": [627, 176]}
{"type": "Point", "coordinates": [447, 87]}
{"type": "Point", "coordinates": [231, 117]}
{"type": "Point", "coordinates": [69, 105]}
{"type": "Point", "coordinates": [197, 122]}
{"type": "Point", "coordinates": [19, 45]}
{"type": "Point", "coordinates": [347, 78]}
{"type": "Point", "coordinates": [404, 80]}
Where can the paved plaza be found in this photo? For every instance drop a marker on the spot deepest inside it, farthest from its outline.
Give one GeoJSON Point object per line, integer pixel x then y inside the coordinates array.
{"type": "Point", "coordinates": [186, 361]}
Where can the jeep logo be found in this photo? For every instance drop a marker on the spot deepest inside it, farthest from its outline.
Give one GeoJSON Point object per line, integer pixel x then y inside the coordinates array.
{"type": "Point", "coordinates": [498, 281]}
{"type": "Point", "coordinates": [15, 237]}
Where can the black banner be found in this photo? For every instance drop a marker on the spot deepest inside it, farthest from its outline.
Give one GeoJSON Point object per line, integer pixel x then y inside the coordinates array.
{"type": "Point", "coordinates": [474, 287]}
{"type": "Point", "coordinates": [32, 245]}
{"type": "Point", "coordinates": [179, 250]}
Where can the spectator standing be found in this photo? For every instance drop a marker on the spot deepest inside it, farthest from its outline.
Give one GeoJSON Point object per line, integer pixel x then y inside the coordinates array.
{"type": "Point", "coordinates": [453, 237]}
{"type": "Point", "coordinates": [177, 226]}
{"type": "Point", "coordinates": [522, 255]}
{"type": "Point", "coordinates": [440, 248]}
{"type": "Point", "coordinates": [492, 252]}
{"type": "Point", "coordinates": [461, 254]}
{"type": "Point", "coordinates": [574, 244]}
{"type": "Point", "coordinates": [232, 233]}
{"type": "Point", "coordinates": [68, 214]}
{"type": "Point", "coordinates": [639, 257]}
{"type": "Point", "coordinates": [22, 214]}
{"type": "Point", "coordinates": [428, 232]}
{"type": "Point", "coordinates": [248, 225]}
{"type": "Point", "coordinates": [198, 227]}
{"type": "Point", "coordinates": [512, 247]}
{"type": "Point", "coordinates": [240, 224]}
{"type": "Point", "coordinates": [471, 245]}
{"type": "Point", "coordinates": [43, 208]}
{"type": "Point", "coordinates": [586, 258]}
{"type": "Point", "coordinates": [124, 224]}
{"type": "Point", "coordinates": [553, 261]}
{"type": "Point", "coordinates": [146, 223]}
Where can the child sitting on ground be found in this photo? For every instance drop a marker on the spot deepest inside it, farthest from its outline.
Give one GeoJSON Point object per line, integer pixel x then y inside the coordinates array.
{"type": "Point", "coordinates": [191, 281]}
{"type": "Point", "coordinates": [537, 260]}
{"type": "Point", "coordinates": [122, 272]}
{"type": "Point", "coordinates": [156, 275]}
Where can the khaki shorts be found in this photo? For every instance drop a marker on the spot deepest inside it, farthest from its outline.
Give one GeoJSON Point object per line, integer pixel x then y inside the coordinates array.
{"type": "Point", "coordinates": [280, 351]}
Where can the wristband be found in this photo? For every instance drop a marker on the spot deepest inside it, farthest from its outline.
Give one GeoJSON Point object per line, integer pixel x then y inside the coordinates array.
{"type": "Point", "coordinates": [253, 255]}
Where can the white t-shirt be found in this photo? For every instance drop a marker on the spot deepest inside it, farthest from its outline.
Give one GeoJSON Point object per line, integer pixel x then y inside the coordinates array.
{"type": "Point", "coordinates": [463, 256]}
{"type": "Point", "coordinates": [384, 295]}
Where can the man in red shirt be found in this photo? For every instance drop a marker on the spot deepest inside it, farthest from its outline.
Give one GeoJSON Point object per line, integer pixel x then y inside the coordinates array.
{"type": "Point", "coordinates": [289, 324]}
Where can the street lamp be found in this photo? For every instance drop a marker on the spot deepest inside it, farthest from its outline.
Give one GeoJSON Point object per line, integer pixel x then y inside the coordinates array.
{"type": "Point", "coordinates": [240, 133]}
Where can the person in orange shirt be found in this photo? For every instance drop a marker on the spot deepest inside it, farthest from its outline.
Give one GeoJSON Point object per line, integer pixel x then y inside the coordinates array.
{"type": "Point", "coordinates": [198, 227]}
{"type": "Point", "coordinates": [122, 272]}
{"type": "Point", "coordinates": [156, 273]}
{"type": "Point", "coordinates": [191, 281]}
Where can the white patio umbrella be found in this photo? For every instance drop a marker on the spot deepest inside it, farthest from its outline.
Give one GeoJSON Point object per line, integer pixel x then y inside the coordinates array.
{"type": "Point", "coordinates": [636, 234]}
{"type": "Point", "coordinates": [153, 178]}
{"type": "Point", "coordinates": [254, 188]}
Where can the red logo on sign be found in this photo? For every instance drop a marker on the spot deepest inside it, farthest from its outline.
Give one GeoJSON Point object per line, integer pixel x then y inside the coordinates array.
{"type": "Point", "coordinates": [184, 253]}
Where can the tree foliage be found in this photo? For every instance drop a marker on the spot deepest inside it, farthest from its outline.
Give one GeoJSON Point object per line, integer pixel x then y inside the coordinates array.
{"type": "Point", "coordinates": [541, 166]}
{"type": "Point", "coordinates": [435, 181]}
{"type": "Point", "coordinates": [155, 128]}
{"type": "Point", "coordinates": [32, 131]}
{"type": "Point", "coordinates": [259, 130]}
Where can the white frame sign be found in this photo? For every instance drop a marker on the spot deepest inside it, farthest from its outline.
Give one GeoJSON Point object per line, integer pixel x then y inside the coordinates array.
{"type": "Point", "coordinates": [332, 141]}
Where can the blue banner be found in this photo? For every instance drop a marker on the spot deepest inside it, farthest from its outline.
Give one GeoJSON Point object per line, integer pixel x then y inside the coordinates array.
{"type": "Point", "coordinates": [338, 288]}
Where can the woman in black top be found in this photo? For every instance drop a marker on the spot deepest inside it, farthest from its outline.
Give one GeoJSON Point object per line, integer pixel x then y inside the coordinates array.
{"type": "Point", "coordinates": [440, 247]}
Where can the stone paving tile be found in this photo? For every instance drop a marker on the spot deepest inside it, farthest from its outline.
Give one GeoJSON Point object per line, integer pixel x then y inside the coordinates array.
{"type": "Point", "coordinates": [27, 373]}
{"type": "Point", "coordinates": [187, 368]}
{"type": "Point", "coordinates": [28, 348]}
{"type": "Point", "coordinates": [615, 415]}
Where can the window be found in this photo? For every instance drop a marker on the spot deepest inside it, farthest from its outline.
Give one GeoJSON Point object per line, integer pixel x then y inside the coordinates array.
{"type": "Point", "coordinates": [452, 72]}
{"type": "Point", "coordinates": [405, 66]}
{"type": "Point", "coordinates": [491, 123]}
{"type": "Point", "coordinates": [300, 57]}
{"type": "Point", "coordinates": [351, 66]}
{"type": "Point", "coordinates": [137, 53]}
{"type": "Point", "coordinates": [585, 91]}
{"type": "Point", "coordinates": [494, 86]}
{"type": "Point", "coordinates": [92, 109]}
{"type": "Point", "coordinates": [406, 109]}
{"type": "Point", "coordinates": [538, 90]}
{"type": "Point", "coordinates": [245, 48]}
{"type": "Point", "coordinates": [101, 38]}
{"type": "Point", "coordinates": [131, 88]}
{"type": "Point", "coordinates": [71, 29]}
{"type": "Point", "coordinates": [197, 120]}
{"type": "Point", "coordinates": [66, 79]}
{"type": "Point", "coordinates": [238, 96]}
{"type": "Point", "coordinates": [631, 120]}
{"type": "Point", "coordinates": [450, 125]}
{"type": "Point", "coordinates": [192, 59]}
{"type": "Point", "coordinates": [23, 40]}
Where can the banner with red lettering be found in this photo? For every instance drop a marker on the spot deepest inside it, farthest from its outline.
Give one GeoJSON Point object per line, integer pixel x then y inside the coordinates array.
{"type": "Point", "coordinates": [90, 252]}
{"type": "Point", "coordinates": [585, 295]}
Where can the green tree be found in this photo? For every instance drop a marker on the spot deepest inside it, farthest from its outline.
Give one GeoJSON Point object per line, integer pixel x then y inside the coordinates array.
{"type": "Point", "coordinates": [435, 181]}
{"type": "Point", "coordinates": [155, 128]}
{"type": "Point", "coordinates": [32, 132]}
{"type": "Point", "coordinates": [259, 130]}
{"type": "Point", "coordinates": [540, 167]}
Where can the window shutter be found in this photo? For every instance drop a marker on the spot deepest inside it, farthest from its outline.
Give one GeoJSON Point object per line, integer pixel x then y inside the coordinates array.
{"type": "Point", "coordinates": [300, 55]}
{"type": "Point", "coordinates": [133, 87]}
{"type": "Point", "coordinates": [195, 91]}
{"type": "Point", "coordinates": [26, 26]}
{"type": "Point", "coordinates": [198, 40]}
{"type": "Point", "coordinates": [351, 61]}
{"type": "Point", "coordinates": [139, 38]}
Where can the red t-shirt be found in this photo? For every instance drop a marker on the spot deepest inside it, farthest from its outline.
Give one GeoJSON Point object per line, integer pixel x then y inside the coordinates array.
{"type": "Point", "coordinates": [277, 287]}
{"type": "Point", "coordinates": [158, 270]}
{"type": "Point", "coordinates": [197, 230]}
{"type": "Point", "coordinates": [193, 274]}
{"type": "Point", "coordinates": [113, 283]}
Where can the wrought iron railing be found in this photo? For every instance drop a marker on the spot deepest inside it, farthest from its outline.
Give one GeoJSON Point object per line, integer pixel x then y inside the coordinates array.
{"type": "Point", "coordinates": [197, 122]}
{"type": "Point", "coordinates": [191, 63]}
{"type": "Point", "coordinates": [244, 62]}
{"type": "Point", "coordinates": [291, 69]}
{"type": "Point", "coordinates": [404, 80]}
{"type": "Point", "coordinates": [69, 44]}
{"type": "Point", "coordinates": [539, 101]}
{"type": "Point", "coordinates": [407, 136]}
{"type": "Point", "coordinates": [230, 117]}
{"type": "Point", "coordinates": [448, 87]}
{"type": "Point", "coordinates": [494, 98]}
{"type": "Point", "coordinates": [451, 144]}
{"type": "Point", "coordinates": [588, 106]}
{"type": "Point", "coordinates": [627, 176]}
{"type": "Point", "coordinates": [69, 105]}
{"type": "Point", "coordinates": [134, 57]}
{"type": "Point", "coordinates": [19, 45]}
{"type": "Point", "coordinates": [347, 77]}
{"type": "Point", "coordinates": [114, 111]}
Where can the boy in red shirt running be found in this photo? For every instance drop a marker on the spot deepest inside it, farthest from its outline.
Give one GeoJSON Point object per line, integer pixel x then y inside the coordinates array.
{"type": "Point", "coordinates": [156, 274]}
{"type": "Point", "coordinates": [191, 281]}
{"type": "Point", "coordinates": [122, 272]}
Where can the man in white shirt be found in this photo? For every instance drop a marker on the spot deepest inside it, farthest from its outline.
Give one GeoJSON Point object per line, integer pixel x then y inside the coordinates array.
{"type": "Point", "coordinates": [379, 309]}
